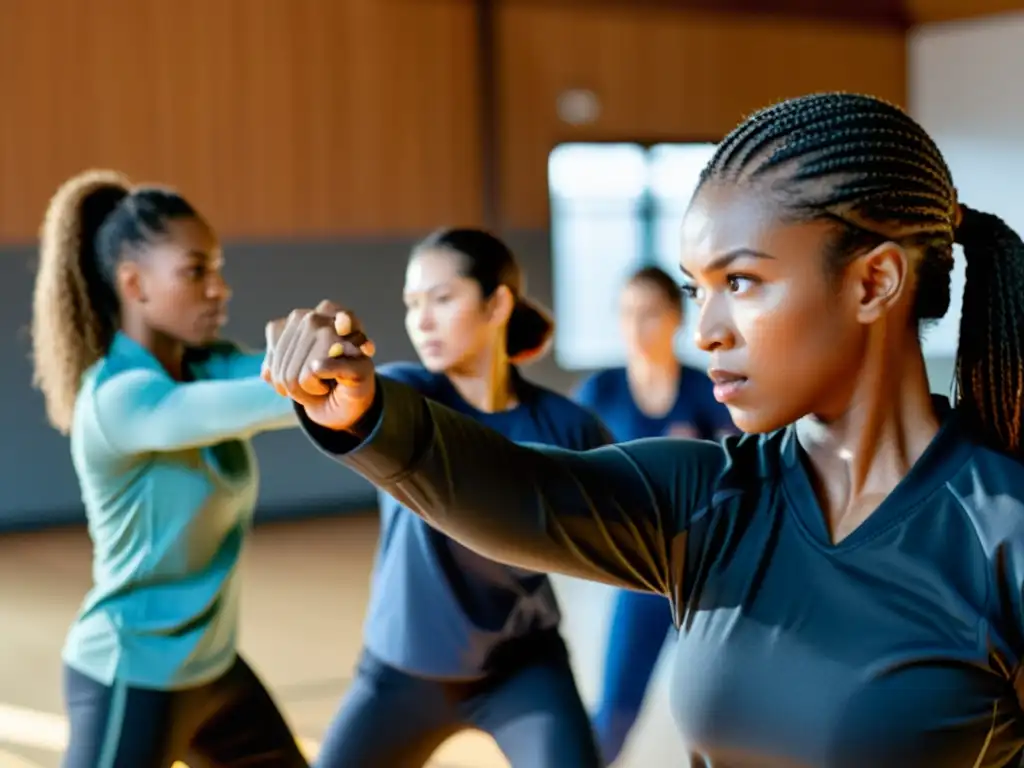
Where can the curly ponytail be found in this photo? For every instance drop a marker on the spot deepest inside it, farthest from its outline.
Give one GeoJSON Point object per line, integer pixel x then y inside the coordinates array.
{"type": "Point", "coordinates": [990, 355]}
{"type": "Point", "coordinates": [74, 306]}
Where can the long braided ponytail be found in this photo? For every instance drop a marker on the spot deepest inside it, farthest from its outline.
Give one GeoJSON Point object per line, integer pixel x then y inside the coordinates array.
{"type": "Point", "coordinates": [869, 166]}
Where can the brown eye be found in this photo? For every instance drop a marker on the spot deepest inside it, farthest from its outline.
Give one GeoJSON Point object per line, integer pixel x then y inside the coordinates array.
{"type": "Point", "coordinates": [741, 283]}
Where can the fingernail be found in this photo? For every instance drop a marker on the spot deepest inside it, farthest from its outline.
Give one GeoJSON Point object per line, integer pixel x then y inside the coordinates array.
{"type": "Point", "coordinates": [368, 348]}
{"type": "Point", "coordinates": [337, 350]}
{"type": "Point", "coordinates": [342, 324]}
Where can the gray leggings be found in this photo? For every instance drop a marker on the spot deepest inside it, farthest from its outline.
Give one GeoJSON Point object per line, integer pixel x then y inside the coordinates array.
{"type": "Point", "coordinates": [230, 722]}
{"type": "Point", "coordinates": [390, 719]}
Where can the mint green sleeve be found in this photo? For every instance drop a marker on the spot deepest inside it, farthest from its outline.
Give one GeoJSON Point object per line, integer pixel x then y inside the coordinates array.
{"type": "Point", "coordinates": [227, 360]}
{"type": "Point", "coordinates": [241, 365]}
{"type": "Point", "coordinates": [142, 411]}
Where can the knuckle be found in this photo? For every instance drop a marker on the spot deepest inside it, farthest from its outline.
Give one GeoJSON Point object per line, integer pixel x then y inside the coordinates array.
{"type": "Point", "coordinates": [325, 332]}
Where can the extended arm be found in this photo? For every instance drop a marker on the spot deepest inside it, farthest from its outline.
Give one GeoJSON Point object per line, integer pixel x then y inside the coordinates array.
{"type": "Point", "coordinates": [141, 411]}
{"type": "Point", "coordinates": [616, 514]}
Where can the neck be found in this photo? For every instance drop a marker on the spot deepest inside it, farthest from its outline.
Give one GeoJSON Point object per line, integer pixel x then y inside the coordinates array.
{"type": "Point", "coordinates": [486, 383]}
{"type": "Point", "coordinates": [861, 452]}
{"type": "Point", "coordinates": [644, 369]}
{"type": "Point", "coordinates": [168, 352]}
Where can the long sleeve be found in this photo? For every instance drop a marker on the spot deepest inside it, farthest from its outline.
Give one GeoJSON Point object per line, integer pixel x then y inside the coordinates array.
{"type": "Point", "coordinates": [140, 411]}
{"type": "Point", "coordinates": [227, 360]}
{"type": "Point", "coordinates": [617, 514]}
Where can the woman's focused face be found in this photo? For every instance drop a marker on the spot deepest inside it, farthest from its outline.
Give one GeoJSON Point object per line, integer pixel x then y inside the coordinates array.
{"type": "Point", "coordinates": [180, 282]}
{"type": "Point", "coordinates": [445, 315]}
{"type": "Point", "coordinates": [649, 320]}
{"type": "Point", "coordinates": [783, 336]}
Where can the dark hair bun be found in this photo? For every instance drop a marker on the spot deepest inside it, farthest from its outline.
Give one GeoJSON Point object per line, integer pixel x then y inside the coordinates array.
{"type": "Point", "coordinates": [529, 333]}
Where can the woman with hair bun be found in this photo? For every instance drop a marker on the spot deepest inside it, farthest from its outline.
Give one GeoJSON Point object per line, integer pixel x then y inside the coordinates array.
{"type": "Point", "coordinates": [126, 318]}
{"type": "Point", "coordinates": [453, 640]}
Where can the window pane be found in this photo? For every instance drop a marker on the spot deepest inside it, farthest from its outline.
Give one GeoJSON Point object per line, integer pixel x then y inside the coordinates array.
{"type": "Point", "coordinates": [675, 171]}
{"type": "Point", "coordinates": [597, 234]}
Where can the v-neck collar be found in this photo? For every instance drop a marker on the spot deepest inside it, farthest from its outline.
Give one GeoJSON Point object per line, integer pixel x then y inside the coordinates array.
{"type": "Point", "coordinates": [945, 454]}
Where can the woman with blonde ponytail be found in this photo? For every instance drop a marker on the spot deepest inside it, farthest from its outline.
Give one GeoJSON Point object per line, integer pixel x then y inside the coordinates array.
{"type": "Point", "coordinates": [129, 302]}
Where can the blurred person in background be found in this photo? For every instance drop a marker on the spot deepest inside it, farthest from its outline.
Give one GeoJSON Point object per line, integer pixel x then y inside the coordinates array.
{"type": "Point", "coordinates": [126, 319]}
{"type": "Point", "coordinates": [652, 396]}
{"type": "Point", "coordinates": [453, 640]}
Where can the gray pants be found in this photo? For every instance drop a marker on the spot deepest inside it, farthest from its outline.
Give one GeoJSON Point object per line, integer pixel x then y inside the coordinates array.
{"type": "Point", "coordinates": [228, 723]}
{"type": "Point", "coordinates": [390, 719]}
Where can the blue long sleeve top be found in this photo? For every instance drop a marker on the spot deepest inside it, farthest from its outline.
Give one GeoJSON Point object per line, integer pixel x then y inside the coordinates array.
{"type": "Point", "coordinates": [693, 413]}
{"type": "Point", "coordinates": [438, 609]}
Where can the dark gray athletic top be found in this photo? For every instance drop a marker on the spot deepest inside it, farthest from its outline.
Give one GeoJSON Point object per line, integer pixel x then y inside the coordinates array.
{"type": "Point", "coordinates": [897, 648]}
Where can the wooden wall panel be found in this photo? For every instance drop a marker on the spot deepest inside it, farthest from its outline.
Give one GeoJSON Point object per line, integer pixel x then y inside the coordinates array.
{"type": "Point", "coordinates": [663, 74]}
{"type": "Point", "coordinates": [278, 117]}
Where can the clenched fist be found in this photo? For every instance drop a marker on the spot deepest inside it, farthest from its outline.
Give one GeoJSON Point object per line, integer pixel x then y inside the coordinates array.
{"type": "Point", "coordinates": [321, 359]}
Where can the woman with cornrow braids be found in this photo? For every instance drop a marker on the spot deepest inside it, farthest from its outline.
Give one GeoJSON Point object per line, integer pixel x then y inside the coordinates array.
{"type": "Point", "coordinates": [848, 577]}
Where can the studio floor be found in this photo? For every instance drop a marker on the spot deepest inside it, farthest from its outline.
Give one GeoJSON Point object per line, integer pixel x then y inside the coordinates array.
{"type": "Point", "coordinates": [305, 592]}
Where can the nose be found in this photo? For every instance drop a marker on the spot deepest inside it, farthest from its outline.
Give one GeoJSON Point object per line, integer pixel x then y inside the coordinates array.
{"type": "Point", "coordinates": [217, 288]}
{"type": "Point", "coordinates": [424, 320]}
{"type": "Point", "coordinates": [714, 330]}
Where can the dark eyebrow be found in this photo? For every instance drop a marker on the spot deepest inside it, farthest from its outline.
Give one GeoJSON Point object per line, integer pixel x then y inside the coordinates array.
{"type": "Point", "coordinates": [725, 260]}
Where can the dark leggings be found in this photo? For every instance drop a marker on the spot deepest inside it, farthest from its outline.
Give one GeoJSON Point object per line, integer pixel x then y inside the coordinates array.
{"type": "Point", "coordinates": [228, 723]}
{"type": "Point", "coordinates": [390, 719]}
{"type": "Point", "coordinates": [640, 623]}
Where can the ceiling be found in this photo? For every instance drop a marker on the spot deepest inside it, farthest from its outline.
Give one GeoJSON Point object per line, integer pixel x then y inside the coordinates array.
{"type": "Point", "coordinates": [885, 13]}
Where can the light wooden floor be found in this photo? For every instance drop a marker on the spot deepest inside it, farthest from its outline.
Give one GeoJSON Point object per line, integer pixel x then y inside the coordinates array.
{"type": "Point", "coordinates": [305, 593]}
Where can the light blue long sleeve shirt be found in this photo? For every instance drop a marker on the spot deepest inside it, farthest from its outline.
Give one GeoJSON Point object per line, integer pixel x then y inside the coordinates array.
{"type": "Point", "coordinates": [169, 482]}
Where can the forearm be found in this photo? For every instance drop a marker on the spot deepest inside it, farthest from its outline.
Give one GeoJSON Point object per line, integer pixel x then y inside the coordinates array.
{"type": "Point", "coordinates": [590, 515]}
{"type": "Point", "coordinates": [155, 415]}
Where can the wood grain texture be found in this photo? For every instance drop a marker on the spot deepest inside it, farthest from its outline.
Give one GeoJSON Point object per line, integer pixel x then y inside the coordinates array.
{"type": "Point", "coordinates": [664, 75]}
{"type": "Point", "coordinates": [282, 118]}
{"type": "Point", "coordinates": [330, 118]}
{"type": "Point", "coordinates": [879, 13]}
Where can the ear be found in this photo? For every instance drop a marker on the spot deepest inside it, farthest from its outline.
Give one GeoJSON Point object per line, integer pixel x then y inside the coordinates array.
{"type": "Point", "coordinates": [501, 304]}
{"type": "Point", "coordinates": [130, 282]}
{"type": "Point", "coordinates": [880, 281]}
